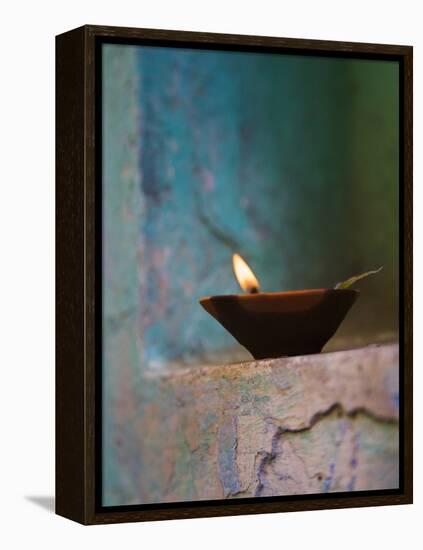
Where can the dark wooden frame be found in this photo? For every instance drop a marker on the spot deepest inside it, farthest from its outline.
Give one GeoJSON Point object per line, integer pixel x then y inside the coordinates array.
{"type": "Point", "coordinates": [77, 291]}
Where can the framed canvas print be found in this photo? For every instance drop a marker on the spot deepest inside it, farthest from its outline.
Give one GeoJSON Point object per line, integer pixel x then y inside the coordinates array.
{"type": "Point", "coordinates": [234, 274]}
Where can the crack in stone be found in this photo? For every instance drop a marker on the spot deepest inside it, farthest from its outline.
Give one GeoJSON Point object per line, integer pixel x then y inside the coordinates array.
{"type": "Point", "coordinates": [268, 457]}
{"type": "Point", "coordinates": [335, 407]}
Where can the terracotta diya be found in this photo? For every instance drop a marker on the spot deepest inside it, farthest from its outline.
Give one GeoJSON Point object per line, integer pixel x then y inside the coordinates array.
{"type": "Point", "coordinates": [276, 324]}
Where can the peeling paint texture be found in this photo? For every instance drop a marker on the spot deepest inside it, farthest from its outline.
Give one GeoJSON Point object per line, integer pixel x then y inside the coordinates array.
{"type": "Point", "coordinates": [314, 424]}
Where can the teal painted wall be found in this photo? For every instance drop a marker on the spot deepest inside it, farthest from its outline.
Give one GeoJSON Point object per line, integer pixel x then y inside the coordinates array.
{"type": "Point", "coordinates": [291, 161]}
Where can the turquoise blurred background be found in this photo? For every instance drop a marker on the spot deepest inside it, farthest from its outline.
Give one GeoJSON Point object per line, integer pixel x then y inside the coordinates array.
{"type": "Point", "coordinates": [291, 161]}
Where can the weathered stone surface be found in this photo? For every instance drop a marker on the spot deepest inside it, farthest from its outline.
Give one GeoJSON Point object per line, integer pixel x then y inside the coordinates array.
{"type": "Point", "coordinates": [320, 423]}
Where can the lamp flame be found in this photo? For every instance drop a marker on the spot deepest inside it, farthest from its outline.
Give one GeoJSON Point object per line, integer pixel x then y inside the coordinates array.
{"type": "Point", "coordinates": [245, 277]}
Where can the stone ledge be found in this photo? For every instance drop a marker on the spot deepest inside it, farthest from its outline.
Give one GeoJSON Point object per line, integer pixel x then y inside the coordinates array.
{"type": "Point", "coordinates": [312, 424]}
{"type": "Point", "coordinates": [359, 379]}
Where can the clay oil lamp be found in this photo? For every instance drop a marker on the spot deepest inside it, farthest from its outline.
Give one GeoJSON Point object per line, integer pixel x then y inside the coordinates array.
{"type": "Point", "coordinates": [277, 324]}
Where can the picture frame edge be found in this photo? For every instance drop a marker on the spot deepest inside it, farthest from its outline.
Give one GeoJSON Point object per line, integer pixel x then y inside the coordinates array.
{"type": "Point", "coordinates": [76, 157]}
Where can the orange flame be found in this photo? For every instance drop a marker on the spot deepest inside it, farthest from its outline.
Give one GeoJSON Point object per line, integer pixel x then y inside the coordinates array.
{"type": "Point", "coordinates": [245, 277]}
